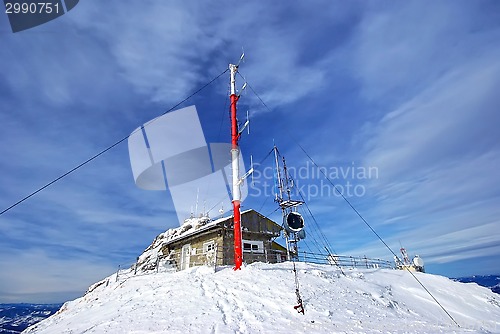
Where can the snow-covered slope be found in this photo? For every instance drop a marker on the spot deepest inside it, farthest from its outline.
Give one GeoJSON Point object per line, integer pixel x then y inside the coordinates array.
{"type": "Point", "coordinates": [260, 299]}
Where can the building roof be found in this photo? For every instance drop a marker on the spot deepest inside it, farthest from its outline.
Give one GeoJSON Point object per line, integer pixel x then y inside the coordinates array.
{"type": "Point", "coordinates": [193, 226]}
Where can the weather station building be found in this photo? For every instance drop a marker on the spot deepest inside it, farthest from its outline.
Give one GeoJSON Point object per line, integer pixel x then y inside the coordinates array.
{"type": "Point", "coordinates": [203, 241]}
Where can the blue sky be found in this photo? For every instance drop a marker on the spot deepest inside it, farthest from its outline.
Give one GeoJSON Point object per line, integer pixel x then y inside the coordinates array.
{"type": "Point", "coordinates": [408, 88]}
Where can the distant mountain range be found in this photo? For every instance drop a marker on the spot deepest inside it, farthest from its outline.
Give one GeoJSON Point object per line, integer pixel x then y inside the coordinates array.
{"type": "Point", "coordinates": [14, 318]}
{"type": "Point", "coordinates": [489, 281]}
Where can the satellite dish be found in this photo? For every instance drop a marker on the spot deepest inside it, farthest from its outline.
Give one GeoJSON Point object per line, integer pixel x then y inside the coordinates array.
{"type": "Point", "coordinates": [294, 222]}
{"type": "Point", "coordinates": [418, 262]}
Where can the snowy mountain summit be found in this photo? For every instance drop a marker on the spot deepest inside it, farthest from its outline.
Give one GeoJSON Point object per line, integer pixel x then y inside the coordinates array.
{"type": "Point", "coordinates": [260, 299]}
{"type": "Point", "coordinates": [147, 260]}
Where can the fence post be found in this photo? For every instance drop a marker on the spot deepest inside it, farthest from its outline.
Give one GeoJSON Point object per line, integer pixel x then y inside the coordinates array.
{"type": "Point", "coordinates": [117, 273]}
{"type": "Point", "coordinates": [215, 257]}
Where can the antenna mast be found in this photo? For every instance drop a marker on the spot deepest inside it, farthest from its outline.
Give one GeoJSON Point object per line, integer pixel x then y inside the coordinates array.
{"type": "Point", "coordinates": [235, 155]}
{"type": "Point", "coordinates": [292, 221]}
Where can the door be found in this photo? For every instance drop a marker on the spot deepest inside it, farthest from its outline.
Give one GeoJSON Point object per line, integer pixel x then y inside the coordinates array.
{"type": "Point", "coordinates": [185, 256]}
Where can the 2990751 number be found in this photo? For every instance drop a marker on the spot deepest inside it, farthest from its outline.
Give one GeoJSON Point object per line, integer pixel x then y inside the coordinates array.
{"type": "Point", "coordinates": [31, 8]}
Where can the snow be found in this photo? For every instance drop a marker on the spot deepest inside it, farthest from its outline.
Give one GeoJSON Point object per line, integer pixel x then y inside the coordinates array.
{"type": "Point", "coordinates": [260, 299]}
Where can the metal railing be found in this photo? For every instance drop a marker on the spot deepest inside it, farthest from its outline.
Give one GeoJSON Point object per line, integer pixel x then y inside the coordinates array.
{"type": "Point", "coordinates": [345, 261]}
{"type": "Point", "coordinates": [223, 256]}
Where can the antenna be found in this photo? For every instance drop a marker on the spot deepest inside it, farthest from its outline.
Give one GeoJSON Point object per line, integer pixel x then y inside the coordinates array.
{"type": "Point", "coordinates": [235, 155]}
{"type": "Point", "coordinates": [242, 57]}
{"type": "Point", "coordinates": [248, 121]}
{"type": "Point", "coordinates": [286, 179]}
{"type": "Point", "coordinates": [221, 210]}
{"type": "Point", "coordinates": [292, 220]}
{"type": "Point", "coordinates": [247, 174]}
{"type": "Point", "coordinates": [196, 206]}
{"type": "Point", "coordinates": [243, 127]}
{"type": "Point", "coordinates": [279, 196]}
{"type": "Point", "coordinates": [242, 89]}
{"type": "Point", "coordinates": [251, 162]}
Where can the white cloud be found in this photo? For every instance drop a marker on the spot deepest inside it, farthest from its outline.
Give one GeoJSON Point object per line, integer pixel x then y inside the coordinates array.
{"type": "Point", "coordinates": [66, 277]}
{"type": "Point", "coordinates": [449, 119]}
{"type": "Point", "coordinates": [431, 77]}
{"type": "Point", "coordinates": [162, 49]}
{"type": "Point", "coordinates": [437, 156]}
{"type": "Point", "coordinates": [400, 49]}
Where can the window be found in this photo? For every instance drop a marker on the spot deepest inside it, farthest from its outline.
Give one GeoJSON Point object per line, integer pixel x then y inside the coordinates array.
{"type": "Point", "coordinates": [209, 246]}
{"type": "Point", "coordinates": [251, 246]}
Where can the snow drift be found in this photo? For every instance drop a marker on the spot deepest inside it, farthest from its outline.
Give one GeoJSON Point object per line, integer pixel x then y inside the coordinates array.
{"type": "Point", "coordinates": [260, 299]}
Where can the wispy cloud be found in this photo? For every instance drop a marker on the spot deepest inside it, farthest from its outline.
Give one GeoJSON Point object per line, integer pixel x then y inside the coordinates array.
{"type": "Point", "coordinates": [435, 144]}
{"type": "Point", "coordinates": [409, 88]}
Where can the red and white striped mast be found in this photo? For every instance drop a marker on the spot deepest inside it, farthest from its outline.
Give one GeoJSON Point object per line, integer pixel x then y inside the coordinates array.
{"type": "Point", "coordinates": [235, 158]}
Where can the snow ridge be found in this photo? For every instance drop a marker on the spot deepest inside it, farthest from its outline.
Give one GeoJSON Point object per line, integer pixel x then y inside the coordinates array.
{"type": "Point", "coordinates": [260, 299]}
